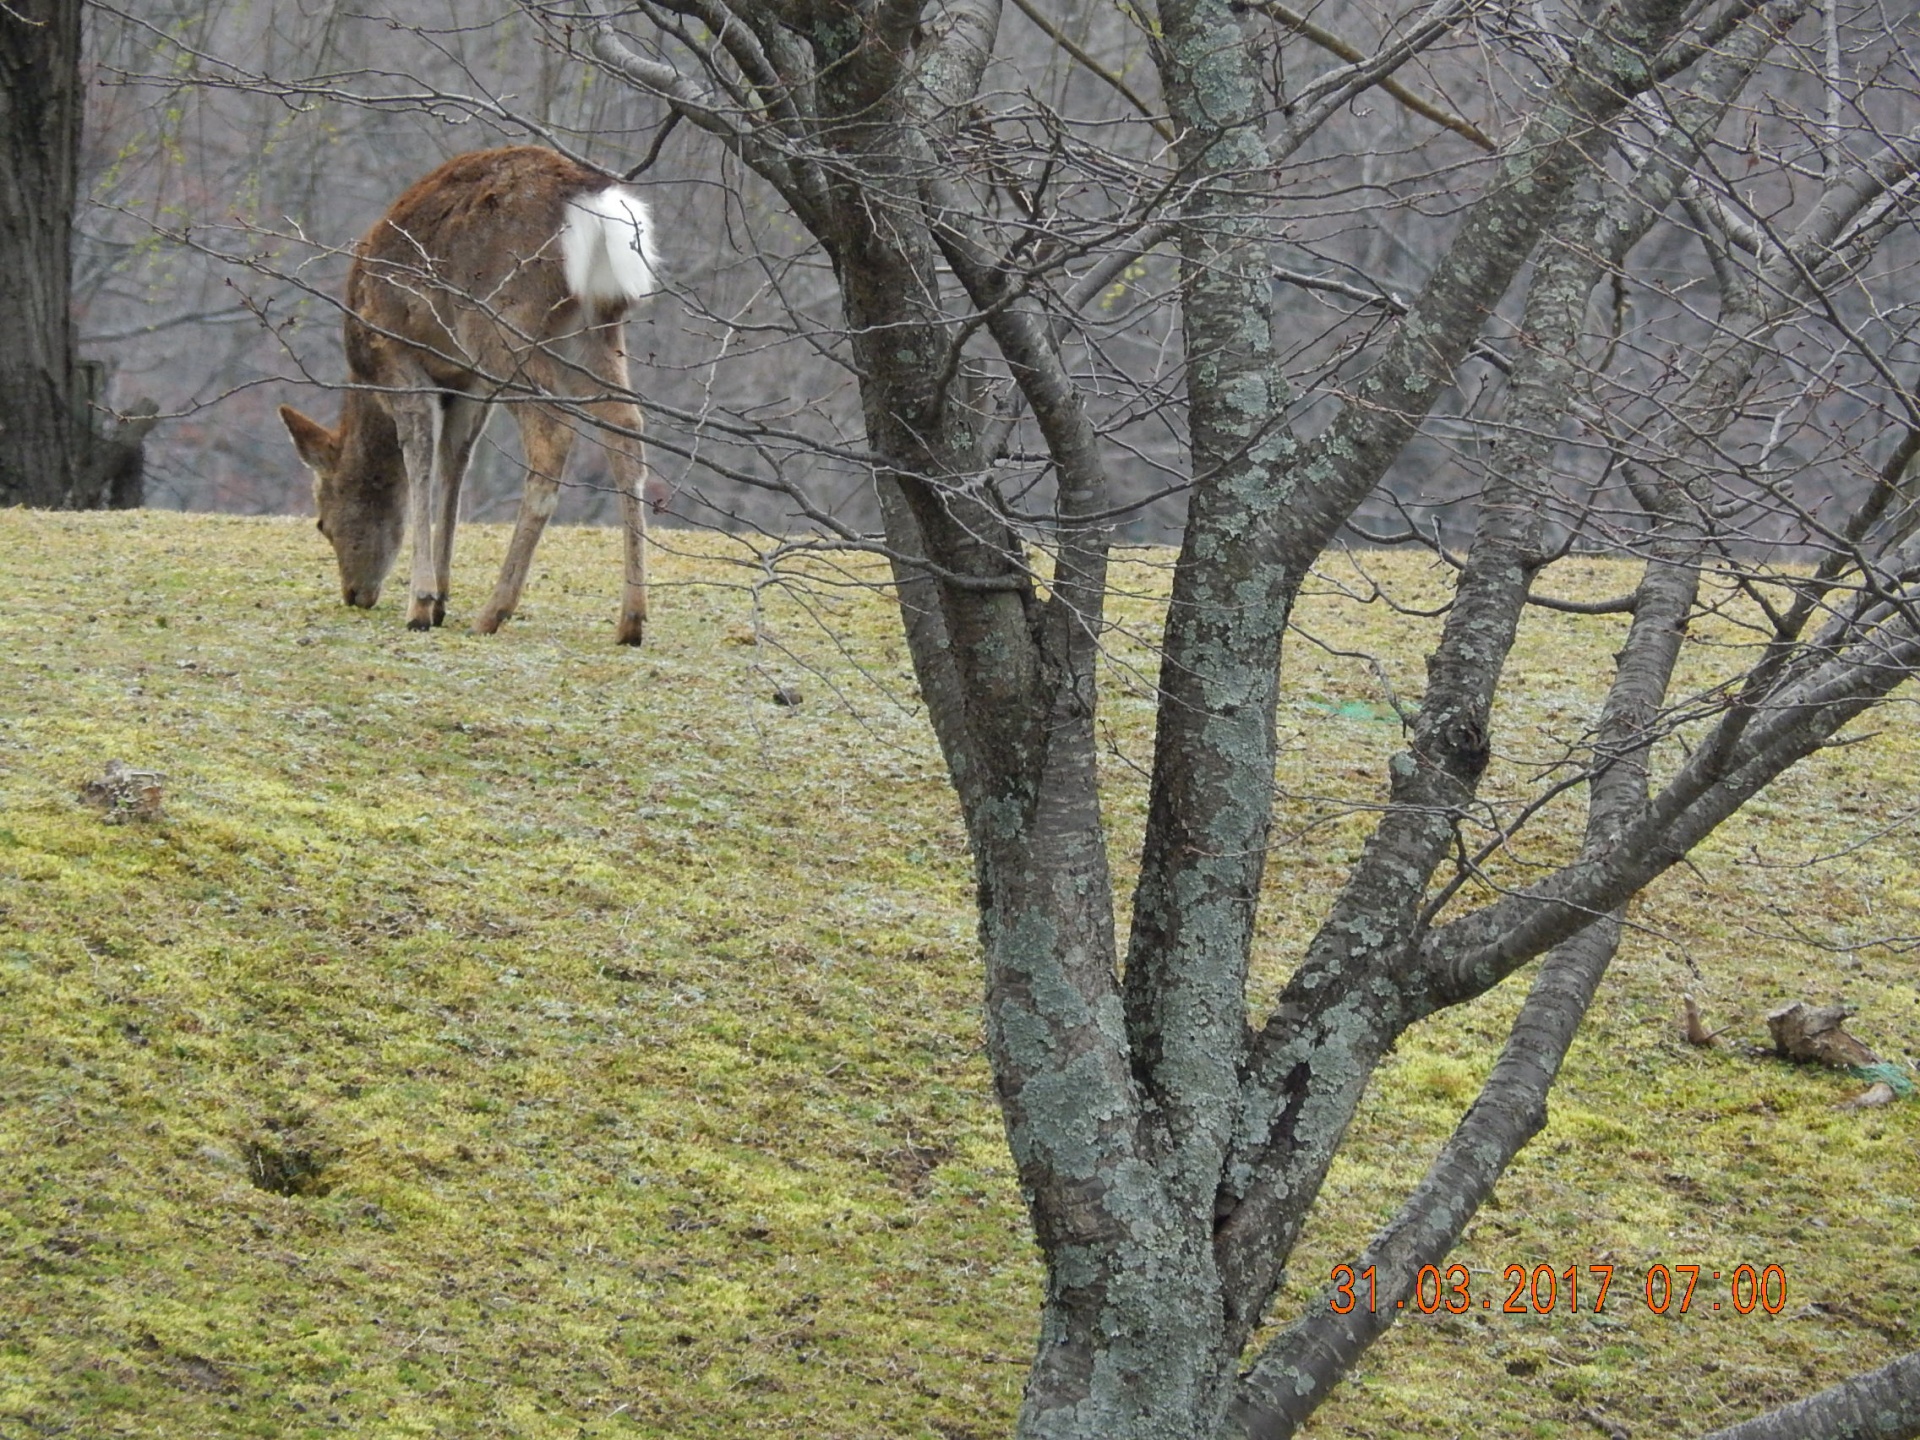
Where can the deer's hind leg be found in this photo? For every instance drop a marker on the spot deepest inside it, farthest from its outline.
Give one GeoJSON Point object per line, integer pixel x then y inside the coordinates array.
{"type": "Point", "coordinates": [627, 454]}
{"type": "Point", "coordinates": [546, 435]}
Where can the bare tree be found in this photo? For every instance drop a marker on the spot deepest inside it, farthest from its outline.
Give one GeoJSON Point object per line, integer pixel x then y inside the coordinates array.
{"type": "Point", "coordinates": [1170, 1145]}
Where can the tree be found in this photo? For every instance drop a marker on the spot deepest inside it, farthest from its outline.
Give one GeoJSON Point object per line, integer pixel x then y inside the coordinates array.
{"type": "Point", "coordinates": [1170, 1150]}
{"type": "Point", "coordinates": [42, 453]}
{"type": "Point", "coordinates": [54, 449]}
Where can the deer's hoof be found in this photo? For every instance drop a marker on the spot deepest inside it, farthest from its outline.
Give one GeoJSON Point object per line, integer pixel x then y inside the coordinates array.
{"type": "Point", "coordinates": [488, 624]}
{"type": "Point", "coordinates": [632, 631]}
{"type": "Point", "coordinates": [426, 611]}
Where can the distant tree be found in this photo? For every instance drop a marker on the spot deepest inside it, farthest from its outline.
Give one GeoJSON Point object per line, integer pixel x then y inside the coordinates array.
{"type": "Point", "coordinates": [1686, 308]}
{"type": "Point", "coordinates": [43, 449]}
{"type": "Point", "coordinates": [57, 448]}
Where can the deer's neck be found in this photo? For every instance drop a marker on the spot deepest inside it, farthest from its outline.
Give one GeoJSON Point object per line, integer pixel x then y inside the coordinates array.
{"type": "Point", "coordinates": [369, 444]}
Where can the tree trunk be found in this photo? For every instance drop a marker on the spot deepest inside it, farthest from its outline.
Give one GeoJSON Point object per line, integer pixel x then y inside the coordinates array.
{"type": "Point", "coordinates": [42, 432]}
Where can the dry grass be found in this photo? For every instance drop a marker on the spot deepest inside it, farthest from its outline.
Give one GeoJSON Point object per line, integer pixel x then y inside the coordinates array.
{"type": "Point", "coordinates": [521, 1037]}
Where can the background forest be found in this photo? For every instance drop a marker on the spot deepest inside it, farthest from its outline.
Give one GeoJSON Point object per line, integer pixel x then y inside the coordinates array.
{"type": "Point", "coordinates": [234, 153]}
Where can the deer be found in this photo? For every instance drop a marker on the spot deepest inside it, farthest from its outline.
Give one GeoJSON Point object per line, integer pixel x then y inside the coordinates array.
{"type": "Point", "coordinates": [503, 276]}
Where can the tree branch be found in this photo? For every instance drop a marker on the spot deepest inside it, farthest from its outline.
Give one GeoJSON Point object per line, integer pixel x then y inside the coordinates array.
{"type": "Point", "coordinates": [1295, 1374]}
{"type": "Point", "coordinates": [1882, 1404]}
{"type": "Point", "coordinates": [1413, 100]}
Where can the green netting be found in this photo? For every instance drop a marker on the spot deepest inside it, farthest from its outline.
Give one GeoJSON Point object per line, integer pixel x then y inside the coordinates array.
{"type": "Point", "coordinates": [1894, 1075]}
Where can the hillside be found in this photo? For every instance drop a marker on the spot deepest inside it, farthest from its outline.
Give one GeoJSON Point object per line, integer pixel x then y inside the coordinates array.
{"type": "Point", "coordinates": [524, 1037]}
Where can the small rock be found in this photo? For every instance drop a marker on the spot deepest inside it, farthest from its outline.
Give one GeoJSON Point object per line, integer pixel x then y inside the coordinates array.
{"type": "Point", "coordinates": [1877, 1094]}
{"type": "Point", "coordinates": [123, 793]}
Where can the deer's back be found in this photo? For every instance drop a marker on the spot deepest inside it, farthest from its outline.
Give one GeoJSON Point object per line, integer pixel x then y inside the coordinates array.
{"type": "Point", "coordinates": [466, 269]}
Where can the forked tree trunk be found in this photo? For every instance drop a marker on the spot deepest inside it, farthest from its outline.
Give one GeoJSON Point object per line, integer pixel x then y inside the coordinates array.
{"type": "Point", "coordinates": [42, 435]}
{"type": "Point", "coordinates": [1170, 1151]}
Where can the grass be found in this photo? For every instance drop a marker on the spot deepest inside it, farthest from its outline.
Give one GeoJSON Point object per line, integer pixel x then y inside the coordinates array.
{"type": "Point", "coordinates": [523, 1037]}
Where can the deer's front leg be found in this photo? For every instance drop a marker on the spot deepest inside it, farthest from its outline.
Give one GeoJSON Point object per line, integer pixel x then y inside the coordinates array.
{"type": "Point", "coordinates": [418, 419]}
{"type": "Point", "coordinates": [461, 422]}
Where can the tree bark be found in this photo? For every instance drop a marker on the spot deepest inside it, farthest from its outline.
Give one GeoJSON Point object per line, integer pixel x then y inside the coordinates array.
{"type": "Point", "coordinates": [1882, 1404]}
{"type": "Point", "coordinates": [42, 432]}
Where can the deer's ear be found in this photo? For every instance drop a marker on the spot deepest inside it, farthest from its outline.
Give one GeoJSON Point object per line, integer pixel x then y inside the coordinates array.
{"type": "Point", "coordinates": [318, 446]}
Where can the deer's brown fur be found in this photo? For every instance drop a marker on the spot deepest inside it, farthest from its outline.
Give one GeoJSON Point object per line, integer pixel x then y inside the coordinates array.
{"type": "Point", "coordinates": [505, 275]}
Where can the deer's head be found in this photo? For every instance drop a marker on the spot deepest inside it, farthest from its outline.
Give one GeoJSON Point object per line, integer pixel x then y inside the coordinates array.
{"type": "Point", "coordinates": [359, 490]}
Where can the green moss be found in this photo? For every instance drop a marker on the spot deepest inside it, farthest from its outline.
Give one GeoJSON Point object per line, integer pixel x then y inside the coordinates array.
{"type": "Point", "coordinates": [628, 1024]}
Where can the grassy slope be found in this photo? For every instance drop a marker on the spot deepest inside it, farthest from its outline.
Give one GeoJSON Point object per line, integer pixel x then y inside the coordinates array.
{"type": "Point", "coordinates": [631, 1022]}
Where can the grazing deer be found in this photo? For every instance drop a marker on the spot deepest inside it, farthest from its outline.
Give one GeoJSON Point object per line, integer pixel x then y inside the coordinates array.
{"type": "Point", "coordinates": [503, 275]}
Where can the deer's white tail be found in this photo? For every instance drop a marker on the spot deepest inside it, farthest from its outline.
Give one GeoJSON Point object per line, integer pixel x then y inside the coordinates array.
{"type": "Point", "coordinates": [607, 244]}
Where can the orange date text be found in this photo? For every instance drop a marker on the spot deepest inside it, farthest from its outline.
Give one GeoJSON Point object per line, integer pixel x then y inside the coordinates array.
{"type": "Point", "coordinates": [1542, 1290]}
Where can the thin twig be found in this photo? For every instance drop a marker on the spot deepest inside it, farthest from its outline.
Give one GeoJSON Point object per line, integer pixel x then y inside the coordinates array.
{"type": "Point", "coordinates": [1353, 55]}
{"type": "Point", "coordinates": [1094, 67]}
